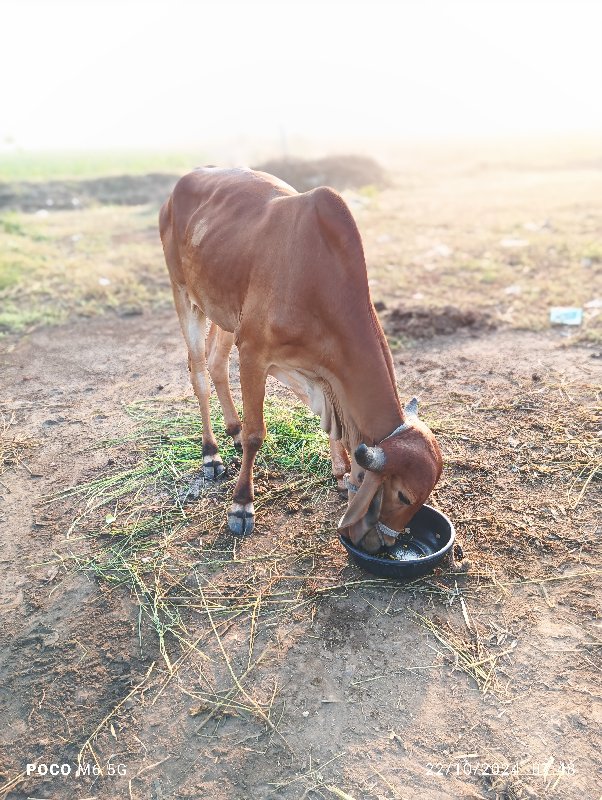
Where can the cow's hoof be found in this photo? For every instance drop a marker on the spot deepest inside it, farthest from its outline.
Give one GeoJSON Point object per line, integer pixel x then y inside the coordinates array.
{"type": "Point", "coordinates": [213, 467]}
{"type": "Point", "coordinates": [241, 519]}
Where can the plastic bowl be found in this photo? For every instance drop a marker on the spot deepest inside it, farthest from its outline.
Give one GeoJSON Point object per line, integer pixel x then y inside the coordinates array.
{"type": "Point", "coordinates": [430, 538]}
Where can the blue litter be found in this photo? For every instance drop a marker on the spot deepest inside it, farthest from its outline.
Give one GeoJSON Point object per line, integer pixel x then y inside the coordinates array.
{"type": "Point", "coordinates": [560, 315]}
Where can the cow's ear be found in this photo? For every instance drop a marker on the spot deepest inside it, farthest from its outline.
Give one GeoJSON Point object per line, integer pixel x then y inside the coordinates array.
{"type": "Point", "coordinates": [358, 507]}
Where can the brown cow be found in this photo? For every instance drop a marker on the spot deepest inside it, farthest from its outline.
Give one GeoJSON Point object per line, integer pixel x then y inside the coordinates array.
{"type": "Point", "coordinates": [282, 275]}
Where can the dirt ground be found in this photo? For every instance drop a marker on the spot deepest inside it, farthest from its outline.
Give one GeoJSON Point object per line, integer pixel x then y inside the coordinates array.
{"type": "Point", "coordinates": [357, 692]}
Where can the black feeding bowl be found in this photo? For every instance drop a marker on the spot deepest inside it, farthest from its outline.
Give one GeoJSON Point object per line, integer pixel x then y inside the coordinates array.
{"type": "Point", "coordinates": [428, 539]}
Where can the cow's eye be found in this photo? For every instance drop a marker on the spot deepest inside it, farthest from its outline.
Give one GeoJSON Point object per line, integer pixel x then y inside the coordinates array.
{"type": "Point", "coordinates": [403, 499]}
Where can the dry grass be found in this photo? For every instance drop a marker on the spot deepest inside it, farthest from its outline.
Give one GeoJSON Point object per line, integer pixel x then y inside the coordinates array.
{"type": "Point", "coordinates": [468, 654]}
{"type": "Point", "coordinates": [79, 263]}
{"type": "Point", "coordinates": [536, 457]}
{"type": "Point", "coordinates": [148, 538]}
{"type": "Point", "coordinates": [12, 445]}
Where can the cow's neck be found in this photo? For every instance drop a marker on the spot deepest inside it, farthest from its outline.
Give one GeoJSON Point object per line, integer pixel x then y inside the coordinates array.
{"type": "Point", "coordinates": [355, 406]}
{"type": "Point", "coordinates": [369, 406]}
{"type": "Point", "coordinates": [362, 391]}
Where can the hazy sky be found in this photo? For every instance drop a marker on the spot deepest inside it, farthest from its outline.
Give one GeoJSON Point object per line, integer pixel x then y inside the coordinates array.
{"type": "Point", "coordinates": [148, 74]}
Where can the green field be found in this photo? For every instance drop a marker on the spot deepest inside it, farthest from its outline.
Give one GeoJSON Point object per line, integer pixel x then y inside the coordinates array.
{"type": "Point", "coordinates": [22, 165]}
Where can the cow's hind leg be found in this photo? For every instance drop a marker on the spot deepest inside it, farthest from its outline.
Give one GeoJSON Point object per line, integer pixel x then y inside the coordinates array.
{"type": "Point", "coordinates": [193, 323]}
{"type": "Point", "coordinates": [219, 345]}
{"type": "Point", "coordinates": [241, 517]}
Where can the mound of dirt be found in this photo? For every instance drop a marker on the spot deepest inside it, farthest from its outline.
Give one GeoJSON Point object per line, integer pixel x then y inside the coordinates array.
{"type": "Point", "coordinates": [424, 323]}
{"type": "Point", "coordinates": [340, 172]}
{"type": "Point", "coordinates": [129, 190]}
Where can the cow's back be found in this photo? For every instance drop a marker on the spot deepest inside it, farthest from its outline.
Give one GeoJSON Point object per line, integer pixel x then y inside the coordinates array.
{"type": "Point", "coordinates": [249, 247]}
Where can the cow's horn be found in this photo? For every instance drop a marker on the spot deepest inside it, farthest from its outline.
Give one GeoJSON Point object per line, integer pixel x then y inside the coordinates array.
{"type": "Point", "coordinates": [411, 409]}
{"type": "Point", "coordinates": [372, 458]}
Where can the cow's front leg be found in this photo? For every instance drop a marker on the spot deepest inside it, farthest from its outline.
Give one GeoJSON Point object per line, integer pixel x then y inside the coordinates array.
{"type": "Point", "coordinates": [241, 517]}
{"type": "Point", "coordinates": [340, 461]}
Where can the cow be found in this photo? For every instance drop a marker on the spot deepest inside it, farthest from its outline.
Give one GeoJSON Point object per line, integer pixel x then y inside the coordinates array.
{"type": "Point", "coordinates": [282, 275]}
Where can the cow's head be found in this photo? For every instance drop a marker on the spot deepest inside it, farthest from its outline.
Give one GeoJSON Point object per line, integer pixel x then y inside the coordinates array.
{"type": "Point", "coordinates": [395, 478]}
